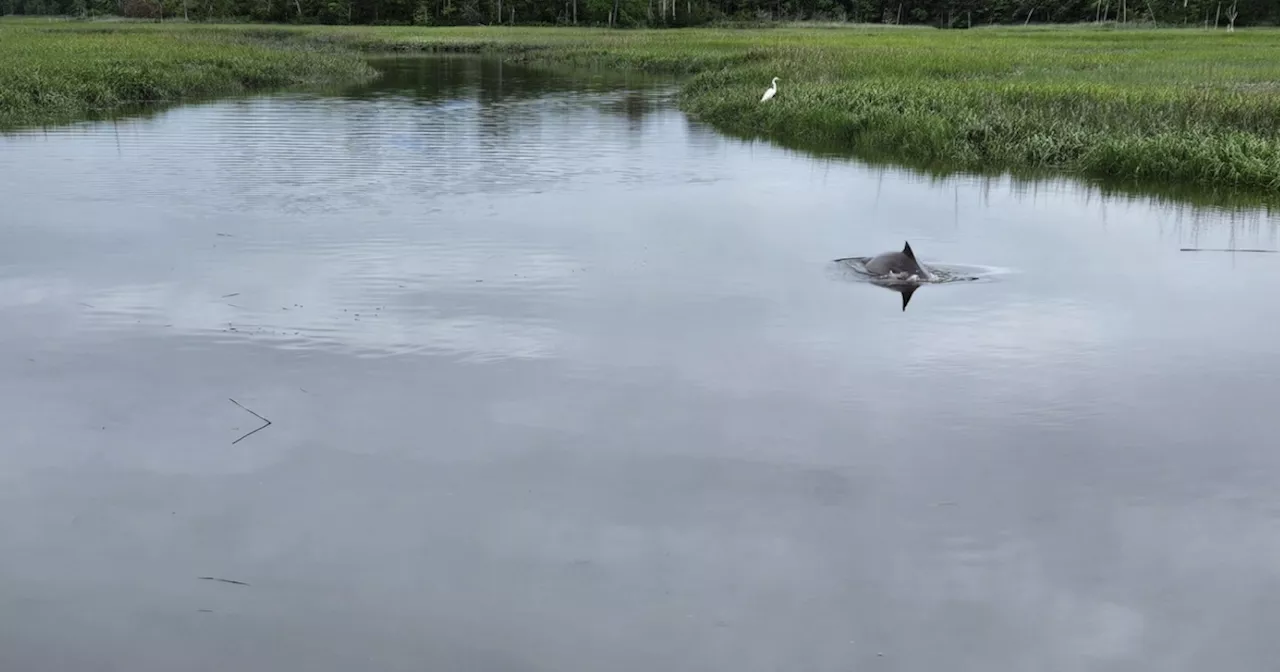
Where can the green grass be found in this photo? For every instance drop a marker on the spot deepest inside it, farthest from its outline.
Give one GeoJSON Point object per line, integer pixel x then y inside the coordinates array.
{"type": "Point", "coordinates": [1159, 106]}
{"type": "Point", "coordinates": [51, 76]}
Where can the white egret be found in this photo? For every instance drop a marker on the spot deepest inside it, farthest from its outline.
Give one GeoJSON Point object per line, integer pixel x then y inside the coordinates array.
{"type": "Point", "coordinates": [773, 90]}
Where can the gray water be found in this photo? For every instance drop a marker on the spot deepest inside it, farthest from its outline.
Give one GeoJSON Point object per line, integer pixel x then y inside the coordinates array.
{"type": "Point", "coordinates": [561, 380]}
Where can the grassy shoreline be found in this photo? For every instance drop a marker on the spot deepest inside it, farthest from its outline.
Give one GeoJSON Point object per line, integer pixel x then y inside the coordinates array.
{"type": "Point", "coordinates": [1165, 106]}
{"type": "Point", "coordinates": [60, 72]}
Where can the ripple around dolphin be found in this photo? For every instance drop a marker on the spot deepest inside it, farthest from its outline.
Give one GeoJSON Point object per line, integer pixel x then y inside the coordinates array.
{"type": "Point", "coordinates": [939, 273]}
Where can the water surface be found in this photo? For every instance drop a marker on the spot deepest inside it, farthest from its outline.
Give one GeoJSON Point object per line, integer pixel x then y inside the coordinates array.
{"type": "Point", "coordinates": [561, 380]}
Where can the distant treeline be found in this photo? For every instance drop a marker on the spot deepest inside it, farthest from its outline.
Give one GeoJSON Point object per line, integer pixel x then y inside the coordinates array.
{"type": "Point", "coordinates": [939, 13]}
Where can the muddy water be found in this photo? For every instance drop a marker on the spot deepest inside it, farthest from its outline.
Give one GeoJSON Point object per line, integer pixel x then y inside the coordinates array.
{"type": "Point", "coordinates": [560, 380]}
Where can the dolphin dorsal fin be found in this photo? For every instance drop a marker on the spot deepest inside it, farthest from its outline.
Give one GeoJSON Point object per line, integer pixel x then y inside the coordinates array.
{"type": "Point", "coordinates": [906, 249]}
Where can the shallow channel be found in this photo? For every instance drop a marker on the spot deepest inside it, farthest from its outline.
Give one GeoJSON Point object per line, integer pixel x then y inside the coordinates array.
{"type": "Point", "coordinates": [559, 379]}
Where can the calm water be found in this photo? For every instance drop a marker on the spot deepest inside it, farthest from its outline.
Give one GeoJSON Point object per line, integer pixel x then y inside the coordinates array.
{"type": "Point", "coordinates": [560, 380]}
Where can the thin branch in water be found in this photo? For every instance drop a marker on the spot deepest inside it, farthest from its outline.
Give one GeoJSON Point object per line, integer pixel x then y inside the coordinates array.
{"type": "Point", "coordinates": [214, 578]}
{"type": "Point", "coordinates": [268, 424]}
{"type": "Point", "coordinates": [1224, 249]}
{"type": "Point", "coordinates": [227, 296]}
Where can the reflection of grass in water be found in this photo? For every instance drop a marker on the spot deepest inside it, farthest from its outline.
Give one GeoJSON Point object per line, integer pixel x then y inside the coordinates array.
{"type": "Point", "coordinates": [1146, 107]}
{"type": "Point", "coordinates": [1150, 190]}
{"type": "Point", "coordinates": [448, 75]}
{"type": "Point", "coordinates": [1171, 196]}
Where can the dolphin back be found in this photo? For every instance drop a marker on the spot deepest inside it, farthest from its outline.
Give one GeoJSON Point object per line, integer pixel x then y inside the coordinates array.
{"type": "Point", "coordinates": [892, 262]}
{"type": "Point", "coordinates": [895, 262]}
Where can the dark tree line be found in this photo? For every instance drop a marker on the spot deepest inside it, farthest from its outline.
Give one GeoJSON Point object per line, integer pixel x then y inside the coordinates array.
{"type": "Point", "coordinates": [940, 13]}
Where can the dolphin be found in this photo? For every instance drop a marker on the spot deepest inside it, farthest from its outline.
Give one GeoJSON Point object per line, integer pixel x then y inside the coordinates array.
{"type": "Point", "coordinates": [898, 271]}
{"type": "Point", "coordinates": [898, 263]}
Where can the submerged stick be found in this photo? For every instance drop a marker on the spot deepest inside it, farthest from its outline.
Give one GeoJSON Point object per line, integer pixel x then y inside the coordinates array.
{"type": "Point", "coordinates": [268, 424]}
{"type": "Point", "coordinates": [214, 578]}
{"type": "Point", "coordinates": [1224, 249]}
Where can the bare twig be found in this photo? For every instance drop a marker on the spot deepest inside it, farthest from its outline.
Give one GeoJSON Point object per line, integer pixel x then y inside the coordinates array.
{"type": "Point", "coordinates": [227, 296]}
{"type": "Point", "coordinates": [268, 424]}
{"type": "Point", "coordinates": [214, 578]}
{"type": "Point", "coordinates": [1224, 249]}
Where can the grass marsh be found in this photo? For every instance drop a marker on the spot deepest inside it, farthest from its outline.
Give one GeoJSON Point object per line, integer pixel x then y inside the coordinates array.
{"type": "Point", "coordinates": [1183, 106]}
{"type": "Point", "coordinates": [51, 74]}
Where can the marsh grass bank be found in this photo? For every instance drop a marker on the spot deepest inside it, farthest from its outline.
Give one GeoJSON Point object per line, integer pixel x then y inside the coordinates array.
{"type": "Point", "coordinates": [1157, 106]}
{"type": "Point", "coordinates": [60, 72]}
